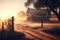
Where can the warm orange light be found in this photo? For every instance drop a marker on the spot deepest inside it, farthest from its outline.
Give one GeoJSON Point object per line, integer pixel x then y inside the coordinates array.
{"type": "Point", "coordinates": [4, 16]}
{"type": "Point", "coordinates": [21, 16]}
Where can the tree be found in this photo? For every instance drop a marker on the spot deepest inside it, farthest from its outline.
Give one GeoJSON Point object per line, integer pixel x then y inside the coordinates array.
{"type": "Point", "coordinates": [51, 4]}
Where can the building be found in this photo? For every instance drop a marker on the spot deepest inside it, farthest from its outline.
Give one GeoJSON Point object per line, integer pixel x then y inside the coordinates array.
{"type": "Point", "coordinates": [37, 15]}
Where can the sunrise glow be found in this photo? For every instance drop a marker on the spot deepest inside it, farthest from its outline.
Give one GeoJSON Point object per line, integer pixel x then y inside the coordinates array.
{"type": "Point", "coordinates": [9, 8]}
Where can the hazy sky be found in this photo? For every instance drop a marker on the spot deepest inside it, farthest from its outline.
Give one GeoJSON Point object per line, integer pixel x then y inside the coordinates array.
{"type": "Point", "coordinates": [11, 7]}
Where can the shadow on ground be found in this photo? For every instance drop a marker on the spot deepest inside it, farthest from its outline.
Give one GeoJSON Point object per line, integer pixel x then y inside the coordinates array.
{"type": "Point", "coordinates": [12, 36]}
{"type": "Point", "coordinates": [54, 31]}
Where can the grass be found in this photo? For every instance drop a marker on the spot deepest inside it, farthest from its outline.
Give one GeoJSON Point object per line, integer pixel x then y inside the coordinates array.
{"type": "Point", "coordinates": [12, 36]}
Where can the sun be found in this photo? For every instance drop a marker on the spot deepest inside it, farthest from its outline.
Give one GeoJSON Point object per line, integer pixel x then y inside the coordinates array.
{"type": "Point", "coordinates": [4, 16]}
{"type": "Point", "coordinates": [19, 16]}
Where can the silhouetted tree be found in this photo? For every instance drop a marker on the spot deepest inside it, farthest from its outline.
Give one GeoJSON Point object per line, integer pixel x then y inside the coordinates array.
{"type": "Point", "coordinates": [50, 4]}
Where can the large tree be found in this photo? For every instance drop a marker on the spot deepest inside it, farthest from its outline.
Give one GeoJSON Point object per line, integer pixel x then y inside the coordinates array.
{"type": "Point", "coordinates": [51, 4]}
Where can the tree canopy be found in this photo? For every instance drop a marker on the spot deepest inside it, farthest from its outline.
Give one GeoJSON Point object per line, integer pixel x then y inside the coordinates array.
{"type": "Point", "coordinates": [51, 4]}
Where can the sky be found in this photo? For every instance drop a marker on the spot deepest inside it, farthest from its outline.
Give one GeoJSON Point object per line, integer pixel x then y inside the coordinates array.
{"type": "Point", "coordinates": [11, 7]}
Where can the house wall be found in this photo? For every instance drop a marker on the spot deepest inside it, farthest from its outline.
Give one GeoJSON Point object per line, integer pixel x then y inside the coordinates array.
{"type": "Point", "coordinates": [37, 19]}
{"type": "Point", "coordinates": [37, 15]}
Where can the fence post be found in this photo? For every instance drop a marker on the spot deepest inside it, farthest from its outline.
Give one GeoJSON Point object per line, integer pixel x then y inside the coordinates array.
{"type": "Point", "coordinates": [12, 23]}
